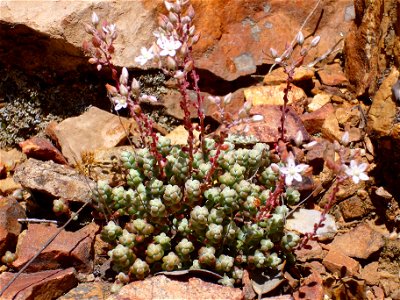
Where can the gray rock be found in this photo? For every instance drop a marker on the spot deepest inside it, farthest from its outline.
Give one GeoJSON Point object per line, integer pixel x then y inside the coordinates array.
{"type": "Point", "coordinates": [53, 179]}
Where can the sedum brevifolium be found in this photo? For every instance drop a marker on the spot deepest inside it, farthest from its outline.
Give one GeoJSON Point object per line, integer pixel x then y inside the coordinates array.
{"type": "Point", "coordinates": [180, 222]}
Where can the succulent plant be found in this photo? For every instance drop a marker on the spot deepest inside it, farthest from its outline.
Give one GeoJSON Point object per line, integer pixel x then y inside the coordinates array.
{"type": "Point", "coordinates": [177, 221]}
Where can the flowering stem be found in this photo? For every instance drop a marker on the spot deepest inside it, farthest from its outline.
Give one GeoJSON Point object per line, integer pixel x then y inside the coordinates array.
{"type": "Point", "coordinates": [332, 198]}
{"type": "Point", "coordinates": [200, 108]}
{"type": "Point", "coordinates": [184, 104]}
{"type": "Point", "coordinates": [289, 80]}
{"type": "Point", "coordinates": [273, 200]}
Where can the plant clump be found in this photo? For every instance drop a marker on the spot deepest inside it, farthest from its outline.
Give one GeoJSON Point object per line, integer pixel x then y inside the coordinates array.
{"type": "Point", "coordinates": [177, 222]}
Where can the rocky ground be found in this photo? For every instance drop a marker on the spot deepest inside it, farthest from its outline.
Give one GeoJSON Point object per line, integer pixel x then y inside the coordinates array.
{"type": "Point", "coordinates": [61, 156]}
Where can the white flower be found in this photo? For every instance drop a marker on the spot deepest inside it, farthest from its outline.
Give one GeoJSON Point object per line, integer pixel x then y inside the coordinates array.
{"type": "Point", "coordinates": [119, 102]}
{"type": "Point", "coordinates": [168, 45]}
{"type": "Point", "coordinates": [356, 172]}
{"type": "Point", "coordinates": [145, 56]}
{"type": "Point", "coordinates": [291, 171]}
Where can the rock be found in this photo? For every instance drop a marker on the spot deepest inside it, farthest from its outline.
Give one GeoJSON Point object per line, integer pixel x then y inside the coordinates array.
{"type": "Point", "coordinates": [8, 185]}
{"type": "Point", "coordinates": [346, 189]}
{"type": "Point", "coordinates": [330, 129]}
{"type": "Point", "coordinates": [382, 112]}
{"type": "Point", "coordinates": [162, 287]}
{"type": "Point", "coordinates": [340, 264]}
{"type": "Point", "coordinates": [371, 45]}
{"type": "Point", "coordinates": [10, 159]}
{"type": "Point", "coordinates": [273, 95]}
{"type": "Point", "coordinates": [10, 228]}
{"type": "Point", "coordinates": [355, 208]}
{"type": "Point", "coordinates": [314, 253]}
{"type": "Point", "coordinates": [332, 75]}
{"type": "Point", "coordinates": [179, 136]}
{"type": "Point", "coordinates": [48, 284]}
{"type": "Point", "coordinates": [95, 129]}
{"type": "Point", "coordinates": [316, 156]}
{"type": "Point", "coordinates": [348, 114]}
{"type": "Point", "coordinates": [172, 99]}
{"type": "Point", "coordinates": [315, 266]}
{"type": "Point", "coordinates": [43, 149]}
{"type": "Point", "coordinates": [370, 273]}
{"type": "Point", "coordinates": [314, 121]}
{"type": "Point", "coordinates": [364, 240]}
{"type": "Point", "coordinates": [348, 288]}
{"type": "Point", "coordinates": [318, 101]}
{"type": "Point", "coordinates": [87, 290]}
{"type": "Point", "coordinates": [56, 180]}
{"type": "Point", "coordinates": [311, 288]}
{"type": "Point", "coordinates": [278, 76]}
{"type": "Point", "coordinates": [68, 248]}
{"type": "Point", "coordinates": [234, 37]}
{"type": "Point", "coordinates": [376, 293]}
{"type": "Point", "coordinates": [282, 297]}
{"type": "Point", "coordinates": [266, 131]}
{"type": "Point", "coordinates": [303, 221]}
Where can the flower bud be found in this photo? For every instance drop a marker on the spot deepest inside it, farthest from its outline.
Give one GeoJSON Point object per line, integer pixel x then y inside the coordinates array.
{"type": "Point", "coordinates": [162, 21]}
{"type": "Point", "coordinates": [300, 38]}
{"type": "Point", "coordinates": [189, 66]}
{"type": "Point", "coordinates": [96, 41]}
{"type": "Point", "coordinates": [257, 118]}
{"type": "Point", "coordinates": [303, 51]}
{"type": "Point", "coordinates": [247, 106]}
{"type": "Point", "coordinates": [315, 41]}
{"type": "Point", "coordinates": [93, 60]}
{"type": "Point", "coordinates": [179, 74]}
{"type": "Point", "coordinates": [190, 12]}
{"type": "Point", "coordinates": [186, 20]}
{"type": "Point", "coordinates": [95, 19]}
{"type": "Point", "coordinates": [171, 63]}
{"type": "Point", "coordinates": [135, 85]}
{"type": "Point", "coordinates": [123, 90]}
{"type": "Point", "coordinates": [89, 29]}
{"type": "Point", "coordinates": [273, 52]}
{"type": "Point", "coordinates": [228, 99]}
{"type": "Point", "coordinates": [123, 79]}
{"type": "Point", "coordinates": [192, 30]}
{"type": "Point", "coordinates": [99, 67]}
{"type": "Point", "coordinates": [168, 5]}
{"type": "Point", "coordinates": [169, 26]}
{"type": "Point", "coordinates": [278, 60]}
{"type": "Point", "coordinates": [299, 138]}
{"type": "Point", "coordinates": [195, 38]}
{"type": "Point", "coordinates": [345, 138]}
{"type": "Point", "coordinates": [184, 49]}
{"type": "Point", "coordinates": [173, 17]}
{"type": "Point", "coordinates": [112, 90]}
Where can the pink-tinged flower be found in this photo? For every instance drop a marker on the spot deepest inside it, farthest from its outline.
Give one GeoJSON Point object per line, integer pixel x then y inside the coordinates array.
{"type": "Point", "coordinates": [168, 45]}
{"type": "Point", "coordinates": [148, 98]}
{"type": "Point", "coordinates": [145, 56]}
{"type": "Point", "coordinates": [95, 19]}
{"type": "Point", "coordinates": [356, 172]}
{"type": "Point", "coordinates": [119, 102]}
{"type": "Point", "coordinates": [291, 171]}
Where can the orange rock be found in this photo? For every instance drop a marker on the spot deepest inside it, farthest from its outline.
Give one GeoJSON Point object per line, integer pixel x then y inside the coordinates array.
{"type": "Point", "coordinates": [40, 285]}
{"type": "Point", "coordinates": [43, 149]}
{"type": "Point", "coordinates": [332, 75]}
{"type": "Point", "coordinates": [340, 264]}
{"type": "Point", "coordinates": [162, 287]}
{"type": "Point", "coordinates": [68, 248]}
